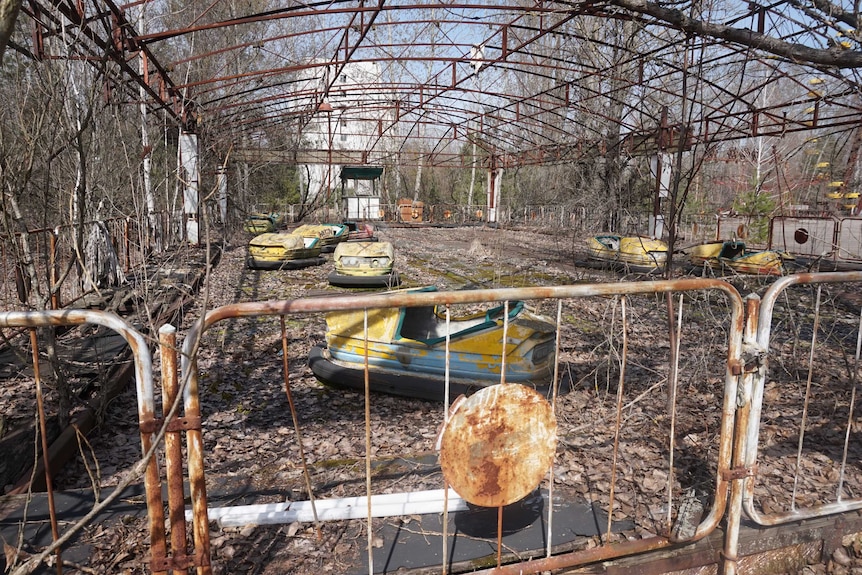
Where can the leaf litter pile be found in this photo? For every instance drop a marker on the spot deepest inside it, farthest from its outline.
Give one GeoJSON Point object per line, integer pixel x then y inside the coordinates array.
{"type": "Point", "coordinates": [252, 447]}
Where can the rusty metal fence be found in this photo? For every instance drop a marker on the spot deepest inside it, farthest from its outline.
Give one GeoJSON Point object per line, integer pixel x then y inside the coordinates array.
{"type": "Point", "coordinates": [32, 321]}
{"type": "Point", "coordinates": [61, 279]}
{"type": "Point", "coordinates": [620, 395]}
{"type": "Point", "coordinates": [821, 448]}
{"type": "Point", "coordinates": [662, 523]}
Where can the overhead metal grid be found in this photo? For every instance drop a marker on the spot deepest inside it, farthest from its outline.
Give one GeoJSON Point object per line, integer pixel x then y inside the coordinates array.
{"type": "Point", "coordinates": [529, 82]}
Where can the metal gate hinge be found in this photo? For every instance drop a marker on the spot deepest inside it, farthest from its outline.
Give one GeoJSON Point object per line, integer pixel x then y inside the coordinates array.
{"type": "Point", "coordinates": [175, 424]}
{"type": "Point", "coordinates": [738, 473]}
{"type": "Point", "coordinates": [753, 356]}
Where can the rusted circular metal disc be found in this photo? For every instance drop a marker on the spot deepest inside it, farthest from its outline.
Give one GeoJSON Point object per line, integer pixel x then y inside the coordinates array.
{"type": "Point", "coordinates": [498, 444]}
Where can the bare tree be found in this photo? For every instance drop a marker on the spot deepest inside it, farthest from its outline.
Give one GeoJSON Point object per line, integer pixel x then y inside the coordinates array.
{"type": "Point", "coordinates": [8, 15]}
{"type": "Point", "coordinates": [823, 13]}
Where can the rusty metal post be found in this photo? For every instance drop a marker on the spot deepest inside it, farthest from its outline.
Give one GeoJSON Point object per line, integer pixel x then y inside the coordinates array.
{"type": "Point", "coordinates": [370, 538]}
{"type": "Point", "coordinates": [153, 485]}
{"type": "Point", "coordinates": [619, 414]}
{"type": "Point", "coordinates": [751, 377]}
{"type": "Point", "coordinates": [197, 481]}
{"type": "Point", "coordinates": [173, 448]}
{"type": "Point", "coordinates": [554, 392]}
{"type": "Point", "coordinates": [329, 152]}
{"type": "Point", "coordinates": [286, 371]}
{"type": "Point", "coordinates": [40, 405]}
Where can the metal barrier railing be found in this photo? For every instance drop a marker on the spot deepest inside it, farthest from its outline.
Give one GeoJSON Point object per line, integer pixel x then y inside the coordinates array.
{"type": "Point", "coordinates": [648, 380]}
{"type": "Point", "coordinates": [146, 414]}
{"type": "Point", "coordinates": [667, 529]}
{"type": "Point", "coordinates": [53, 253]}
{"type": "Point", "coordinates": [809, 458]}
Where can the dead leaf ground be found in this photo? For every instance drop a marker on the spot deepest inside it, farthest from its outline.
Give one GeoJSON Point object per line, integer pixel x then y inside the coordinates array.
{"type": "Point", "coordinates": [251, 443]}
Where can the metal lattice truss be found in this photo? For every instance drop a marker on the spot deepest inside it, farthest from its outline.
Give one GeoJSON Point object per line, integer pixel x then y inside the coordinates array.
{"type": "Point", "coordinates": [355, 82]}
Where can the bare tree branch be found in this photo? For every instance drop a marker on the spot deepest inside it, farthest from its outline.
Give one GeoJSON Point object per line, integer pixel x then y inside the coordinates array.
{"type": "Point", "coordinates": [837, 56]}
{"type": "Point", "coordinates": [8, 15]}
{"type": "Point", "coordinates": [832, 12]}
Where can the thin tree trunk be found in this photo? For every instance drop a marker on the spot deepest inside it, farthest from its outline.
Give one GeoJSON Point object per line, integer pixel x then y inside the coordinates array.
{"type": "Point", "coordinates": [472, 177]}
{"type": "Point", "coordinates": [417, 183]}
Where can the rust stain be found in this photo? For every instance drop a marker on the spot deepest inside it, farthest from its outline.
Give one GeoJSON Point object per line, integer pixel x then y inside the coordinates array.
{"type": "Point", "coordinates": [498, 445]}
{"type": "Point", "coordinates": [489, 475]}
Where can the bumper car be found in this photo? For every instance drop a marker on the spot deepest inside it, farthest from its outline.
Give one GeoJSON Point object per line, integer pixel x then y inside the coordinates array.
{"type": "Point", "coordinates": [280, 251]}
{"type": "Point", "coordinates": [364, 264]}
{"type": "Point", "coordinates": [407, 350]}
{"type": "Point", "coordinates": [260, 223]}
{"type": "Point", "coordinates": [733, 255]}
{"type": "Point", "coordinates": [630, 253]}
{"type": "Point", "coordinates": [328, 235]}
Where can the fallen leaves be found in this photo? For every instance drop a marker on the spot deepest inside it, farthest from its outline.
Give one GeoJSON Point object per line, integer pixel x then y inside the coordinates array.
{"type": "Point", "coordinates": [249, 435]}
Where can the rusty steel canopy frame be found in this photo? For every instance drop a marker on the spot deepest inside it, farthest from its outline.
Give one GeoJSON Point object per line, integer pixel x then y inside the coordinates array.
{"type": "Point", "coordinates": [529, 82]}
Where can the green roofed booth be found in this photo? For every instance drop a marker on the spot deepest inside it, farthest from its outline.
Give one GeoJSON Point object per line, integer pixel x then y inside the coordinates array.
{"type": "Point", "coordinates": [360, 197]}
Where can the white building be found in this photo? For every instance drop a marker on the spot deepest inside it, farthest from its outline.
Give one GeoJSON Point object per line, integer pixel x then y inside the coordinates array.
{"type": "Point", "coordinates": [342, 138]}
